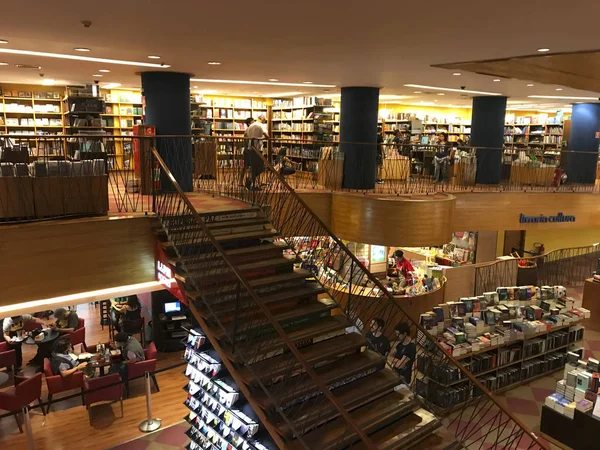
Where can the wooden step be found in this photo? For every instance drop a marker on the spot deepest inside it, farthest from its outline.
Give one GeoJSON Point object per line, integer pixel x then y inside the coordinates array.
{"type": "Point", "coordinates": [276, 263]}
{"type": "Point", "coordinates": [351, 396]}
{"type": "Point", "coordinates": [267, 347]}
{"type": "Point", "coordinates": [305, 388]}
{"type": "Point", "coordinates": [334, 435]}
{"type": "Point", "coordinates": [442, 439]}
{"type": "Point", "coordinates": [254, 324]}
{"type": "Point", "coordinates": [406, 433]}
{"type": "Point", "coordinates": [191, 241]}
{"type": "Point", "coordinates": [287, 364]}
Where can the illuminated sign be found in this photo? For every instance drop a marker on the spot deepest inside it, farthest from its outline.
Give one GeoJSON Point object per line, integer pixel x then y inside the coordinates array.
{"type": "Point", "coordinates": [164, 274]}
{"type": "Point", "coordinates": [560, 217]}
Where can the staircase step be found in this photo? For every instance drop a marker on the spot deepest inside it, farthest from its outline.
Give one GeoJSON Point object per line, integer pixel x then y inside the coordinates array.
{"type": "Point", "coordinates": [351, 396]}
{"type": "Point", "coordinates": [202, 266]}
{"type": "Point", "coordinates": [261, 234]}
{"type": "Point", "coordinates": [352, 365]}
{"type": "Point", "coordinates": [442, 439]}
{"type": "Point", "coordinates": [287, 364]}
{"type": "Point", "coordinates": [267, 347]}
{"type": "Point", "coordinates": [254, 324]}
{"type": "Point", "coordinates": [405, 433]}
{"type": "Point", "coordinates": [393, 408]}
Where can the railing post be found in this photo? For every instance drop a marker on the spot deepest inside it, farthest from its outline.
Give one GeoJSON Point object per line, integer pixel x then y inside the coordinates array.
{"type": "Point", "coordinates": [150, 424]}
{"type": "Point", "coordinates": [28, 430]}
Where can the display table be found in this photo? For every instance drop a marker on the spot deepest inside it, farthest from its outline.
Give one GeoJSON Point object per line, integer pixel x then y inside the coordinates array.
{"type": "Point", "coordinates": [330, 173]}
{"type": "Point", "coordinates": [465, 172]}
{"type": "Point", "coordinates": [591, 301]}
{"type": "Point", "coordinates": [395, 169]}
{"type": "Point", "coordinates": [579, 433]}
{"type": "Point", "coordinates": [534, 176]}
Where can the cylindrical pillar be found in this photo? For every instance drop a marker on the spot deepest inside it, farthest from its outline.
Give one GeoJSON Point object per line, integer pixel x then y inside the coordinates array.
{"type": "Point", "coordinates": [582, 154]}
{"type": "Point", "coordinates": [358, 136]}
{"type": "Point", "coordinates": [487, 130]}
{"type": "Point", "coordinates": [167, 98]}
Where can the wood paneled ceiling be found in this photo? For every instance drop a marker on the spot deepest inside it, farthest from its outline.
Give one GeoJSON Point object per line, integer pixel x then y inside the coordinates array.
{"type": "Point", "coordinates": [578, 70]}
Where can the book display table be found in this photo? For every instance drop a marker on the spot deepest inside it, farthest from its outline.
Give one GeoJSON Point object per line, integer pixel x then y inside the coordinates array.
{"type": "Point", "coordinates": [579, 433]}
{"type": "Point", "coordinates": [591, 301]}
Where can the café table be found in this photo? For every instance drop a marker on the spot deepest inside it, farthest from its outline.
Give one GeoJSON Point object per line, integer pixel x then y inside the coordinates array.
{"type": "Point", "coordinates": [50, 335]}
{"type": "Point", "coordinates": [101, 363]}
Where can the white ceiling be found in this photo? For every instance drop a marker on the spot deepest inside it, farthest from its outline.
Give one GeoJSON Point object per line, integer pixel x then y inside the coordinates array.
{"type": "Point", "coordinates": [343, 43]}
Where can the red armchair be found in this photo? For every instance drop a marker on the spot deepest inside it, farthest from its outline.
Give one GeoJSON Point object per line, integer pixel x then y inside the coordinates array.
{"type": "Point", "coordinates": [8, 358]}
{"type": "Point", "coordinates": [139, 368]}
{"type": "Point", "coordinates": [94, 348]}
{"type": "Point", "coordinates": [57, 383]}
{"type": "Point", "coordinates": [80, 323]}
{"type": "Point", "coordinates": [111, 393]}
{"type": "Point", "coordinates": [31, 325]}
{"type": "Point", "coordinates": [78, 337]}
{"type": "Point", "coordinates": [25, 392]}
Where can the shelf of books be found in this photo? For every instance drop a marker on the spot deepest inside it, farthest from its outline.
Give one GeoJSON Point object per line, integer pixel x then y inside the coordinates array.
{"type": "Point", "coordinates": [219, 417]}
{"type": "Point", "coordinates": [123, 110]}
{"type": "Point", "coordinates": [504, 338]}
{"type": "Point", "coordinates": [536, 131]}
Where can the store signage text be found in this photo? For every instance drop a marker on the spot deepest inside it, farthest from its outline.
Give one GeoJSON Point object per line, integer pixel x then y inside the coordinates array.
{"type": "Point", "coordinates": [164, 274]}
{"type": "Point", "coordinates": [560, 217]}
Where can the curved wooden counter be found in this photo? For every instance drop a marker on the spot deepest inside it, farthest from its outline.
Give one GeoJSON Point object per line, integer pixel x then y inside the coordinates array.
{"type": "Point", "coordinates": [413, 221]}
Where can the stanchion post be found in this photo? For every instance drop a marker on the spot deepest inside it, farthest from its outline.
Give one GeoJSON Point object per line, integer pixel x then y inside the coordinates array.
{"type": "Point", "coordinates": [150, 424]}
{"type": "Point", "coordinates": [28, 430]}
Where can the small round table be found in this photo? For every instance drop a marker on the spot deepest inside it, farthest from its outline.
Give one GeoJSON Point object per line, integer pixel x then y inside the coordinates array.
{"type": "Point", "coordinates": [49, 336]}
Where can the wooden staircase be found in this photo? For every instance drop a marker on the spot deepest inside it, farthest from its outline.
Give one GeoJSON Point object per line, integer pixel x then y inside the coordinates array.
{"type": "Point", "coordinates": [273, 379]}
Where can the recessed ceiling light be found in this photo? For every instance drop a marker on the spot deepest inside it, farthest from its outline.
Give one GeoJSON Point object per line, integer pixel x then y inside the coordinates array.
{"type": "Point", "coordinates": [3, 64]}
{"type": "Point", "coordinates": [97, 75]}
{"type": "Point", "coordinates": [3, 41]}
{"type": "Point", "coordinates": [530, 85]}
{"type": "Point", "coordinates": [307, 82]}
{"type": "Point", "coordinates": [564, 97]}
{"type": "Point", "coordinates": [559, 89]}
{"type": "Point", "coordinates": [195, 87]}
{"type": "Point", "coordinates": [273, 79]}
{"type": "Point", "coordinates": [104, 70]}
{"type": "Point", "coordinates": [496, 80]}
{"type": "Point", "coordinates": [543, 50]}
{"type": "Point", "coordinates": [48, 82]}
{"type": "Point", "coordinates": [326, 90]}
{"type": "Point", "coordinates": [456, 74]}
{"type": "Point", "coordinates": [281, 94]}
{"type": "Point", "coordinates": [82, 58]}
{"type": "Point", "coordinates": [417, 92]}
{"type": "Point", "coordinates": [451, 89]}
{"type": "Point", "coordinates": [153, 57]}
{"type": "Point", "coordinates": [111, 85]}
{"type": "Point", "coordinates": [441, 93]}
{"type": "Point", "coordinates": [214, 63]}
{"type": "Point", "coordinates": [82, 49]}
{"type": "Point", "coordinates": [263, 83]}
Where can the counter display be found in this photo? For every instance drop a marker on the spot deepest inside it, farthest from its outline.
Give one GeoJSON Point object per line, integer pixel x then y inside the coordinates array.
{"type": "Point", "coordinates": [462, 249]}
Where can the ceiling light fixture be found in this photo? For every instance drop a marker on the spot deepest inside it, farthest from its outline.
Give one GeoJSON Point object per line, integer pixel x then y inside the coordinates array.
{"type": "Point", "coordinates": [262, 83]}
{"type": "Point", "coordinates": [563, 97]}
{"type": "Point", "coordinates": [559, 89]}
{"type": "Point", "coordinates": [273, 79]}
{"type": "Point", "coordinates": [450, 89]}
{"type": "Point", "coordinates": [530, 85]}
{"type": "Point", "coordinates": [3, 64]}
{"type": "Point", "coordinates": [153, 57]}
{"type": "Point", "coordinates": [82, 49]}
{"type": "Point", "coordinates": [111, 85]}
{"type": "Point", "coordinates": [195, 87]}
{"type": "Point", "coordinates": [456, 74]}
{"type": "Point", "coordinates": [441, 93]}
{"type": "Point", "coordinates": [97, 75]}
{"type": "Point", "coordinates": [282, 94]}
{"type": "Point", "coordinates": [214, 63]}
{"type": "Point", "coordinates": [3, 41]}
{"type": "Point", "coordinates": [307, 82]}
{"type": "Point", "coordinates": [207, 91]}
{"type": "Point", "coordinates": [82, 58]}
{"type": "Point", "coordinates": [104, 70]}
{"type": "Point", "coordinates": [543, 50]}
{"type": "Point", "coordinates": [496, 80]}
{"type": "Point", "coordinates": [417, 92]}
{"type": "Point", "coordinates": [48, 81]}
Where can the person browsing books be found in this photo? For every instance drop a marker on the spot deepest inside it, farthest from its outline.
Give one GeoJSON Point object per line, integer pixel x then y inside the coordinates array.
{"type": "Point", "coordinates": [377, 340]}
{"type": "Point", "coordinates": [246, 152]}
{"type": "Point", "coordinates": [256, 133]}
{"type": "Point", "coordinates": [403, 352]}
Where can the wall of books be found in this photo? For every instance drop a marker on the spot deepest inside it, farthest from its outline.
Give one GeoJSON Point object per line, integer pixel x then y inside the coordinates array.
{"type": "Point", "coordinates": [505, 338]}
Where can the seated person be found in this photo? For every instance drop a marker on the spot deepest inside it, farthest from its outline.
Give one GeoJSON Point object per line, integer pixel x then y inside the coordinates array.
{"type": "Point", "coordinates": [115, 310]}
{"type": "Point", "coordinates": [13, 327]}
{"type": "Point", "coordinates": [129, 311]}
{"type": "Point", "coordinates": [61, 361]}
{"type": "Point", "coordinates": [131, 351]}
{"type": "Point", "coordinates": [66, 321]}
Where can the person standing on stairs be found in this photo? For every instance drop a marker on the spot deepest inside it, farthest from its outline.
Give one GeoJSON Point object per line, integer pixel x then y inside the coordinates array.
{"type": "Point", "coordinates": [403, 352]}
{"type": "Point", "coordinates": [377, 340]}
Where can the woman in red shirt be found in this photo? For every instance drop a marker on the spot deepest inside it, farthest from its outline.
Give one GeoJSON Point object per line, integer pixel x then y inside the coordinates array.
{"type": "Point", "coordinates": [403, 266]}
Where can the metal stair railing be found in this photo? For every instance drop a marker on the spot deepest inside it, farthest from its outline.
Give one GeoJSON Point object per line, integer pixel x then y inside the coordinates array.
{"type": "Point", "coordinates": [175, 210]}
{"type": "Point", "coordinates": [476, 420]}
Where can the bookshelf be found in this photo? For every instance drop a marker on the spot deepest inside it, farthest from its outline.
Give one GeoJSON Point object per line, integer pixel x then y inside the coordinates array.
{"type": "Point", "coordinates": [123, 110]}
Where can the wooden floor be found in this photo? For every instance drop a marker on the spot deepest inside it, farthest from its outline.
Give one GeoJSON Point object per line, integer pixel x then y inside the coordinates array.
{"type": "Point", "coordinates": [68, 427]}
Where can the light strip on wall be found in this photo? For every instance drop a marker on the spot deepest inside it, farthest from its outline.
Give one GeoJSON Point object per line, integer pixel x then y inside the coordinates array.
{"type": "Point", "coordinates": [563, 97]}
{"type": "Point", "coordinates": [83, 58]}
{"type": "Point", "coordinates": [261, 83]}
{"type": "Point", "coordinates": [81, 297]}
{"type": "Point", "coordinates": [436, 88]}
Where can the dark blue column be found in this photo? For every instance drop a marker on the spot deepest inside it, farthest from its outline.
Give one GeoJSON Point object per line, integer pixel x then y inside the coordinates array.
{"type": "Point", "coordinates": [358, 136]}
{"type": "Point", "coordinates": [487, 130]}
{"type": "Point", "coordinates": [582, 154]}
{"type": "Point", "coordinates": [167, 96]}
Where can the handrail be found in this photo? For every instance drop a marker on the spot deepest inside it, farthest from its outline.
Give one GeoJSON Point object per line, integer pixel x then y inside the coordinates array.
{"type": "Point", "coordinates": [243, 281]}
{"type": "Point", "coordinates": [356, 263]}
